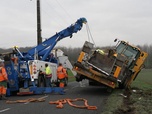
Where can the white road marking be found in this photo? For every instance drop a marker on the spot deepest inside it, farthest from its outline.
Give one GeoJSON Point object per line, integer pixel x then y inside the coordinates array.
{"type": "Point", "coordinates": [4, 110]}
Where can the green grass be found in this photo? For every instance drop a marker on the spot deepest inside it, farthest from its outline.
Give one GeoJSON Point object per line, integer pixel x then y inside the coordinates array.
{"type": "Point", "coordinates": [143, 96]}
{"type": "Point", "coordinates": [113, 102]}
{"type": "Point", "coordinates": [143, 80]}
{"type": "Point", "coordinates": [139, 101]}
{"type": "Point", "coordinates": [70, 76]}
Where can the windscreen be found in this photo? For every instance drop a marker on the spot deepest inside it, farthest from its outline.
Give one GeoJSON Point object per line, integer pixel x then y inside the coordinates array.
{"type": "Point", "coordinates": [127, 50]}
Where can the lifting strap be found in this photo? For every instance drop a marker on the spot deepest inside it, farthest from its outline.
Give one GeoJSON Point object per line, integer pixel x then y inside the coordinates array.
{"type": "Point", "coordinates": [26, 100]}
{"type": "Point", "coordinates": [59, 103]}
{"type": "Point", "coordinates": [89, 34]}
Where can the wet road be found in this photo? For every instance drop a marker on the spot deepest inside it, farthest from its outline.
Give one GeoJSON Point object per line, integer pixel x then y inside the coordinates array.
{"type": "Point", "coordinates": [96, 96]}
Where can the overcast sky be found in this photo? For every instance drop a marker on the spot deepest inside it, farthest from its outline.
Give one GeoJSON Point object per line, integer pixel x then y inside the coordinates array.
{"type": "Point", "coordinates": [129, 20]}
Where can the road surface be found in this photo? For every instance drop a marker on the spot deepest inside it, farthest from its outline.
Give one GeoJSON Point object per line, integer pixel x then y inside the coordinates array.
{"type": "Point", "coordinates": [96, 96]}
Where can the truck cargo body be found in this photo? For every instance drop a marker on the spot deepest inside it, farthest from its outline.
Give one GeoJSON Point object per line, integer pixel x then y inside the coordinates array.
{"type": "Point", "coordinates": [115, 67]}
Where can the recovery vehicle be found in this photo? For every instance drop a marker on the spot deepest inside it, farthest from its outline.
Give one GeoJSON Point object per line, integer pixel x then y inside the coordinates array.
{"type": "Point", "coordinates": [114, 67]}
{"type": "Point", "coordinates": [23, 67]}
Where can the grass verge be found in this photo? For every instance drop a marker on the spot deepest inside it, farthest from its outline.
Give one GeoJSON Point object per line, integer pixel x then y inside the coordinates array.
{"type": "Point", "coordinates": [113, 102]}
{"type": "Point", "coordinates": [138, 100]}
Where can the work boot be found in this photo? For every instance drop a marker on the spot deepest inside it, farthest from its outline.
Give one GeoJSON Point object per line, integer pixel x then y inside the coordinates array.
{"type": "Point", "coordinates": [4, 97]}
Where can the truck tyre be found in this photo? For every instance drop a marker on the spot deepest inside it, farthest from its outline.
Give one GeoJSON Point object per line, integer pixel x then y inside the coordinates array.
{"type": "Point", "coordinates": [79, 77]}
{"type": "Point", "coordinates": [93, 83]}
{"type": "Point", "coordinates": [123, 84]}
{"type": "Point", "coordinates": [109, 89]}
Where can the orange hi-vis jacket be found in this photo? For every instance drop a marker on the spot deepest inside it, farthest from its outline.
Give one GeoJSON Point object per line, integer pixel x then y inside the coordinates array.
{"type": "Point", "coordinates": [61, 72]}
{"type": "Point", "coordinates": [3, 74]}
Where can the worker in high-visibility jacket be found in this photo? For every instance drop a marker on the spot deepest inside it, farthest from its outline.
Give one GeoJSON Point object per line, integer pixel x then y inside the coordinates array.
{"type": "Point", "coordinates": [48, 75]}
{"type": "Point", "coordinates": [61, 74]}
{"type": "Point", "coordinates": [3, 80]}
{"type": "Point", "coordinates": [100, 51]}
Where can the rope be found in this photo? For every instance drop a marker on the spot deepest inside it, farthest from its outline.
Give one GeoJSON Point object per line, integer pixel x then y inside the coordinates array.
{"type": "Point", "coordinates": [59, 103]}
{"type": "Point", "coordinates": [89, 34]}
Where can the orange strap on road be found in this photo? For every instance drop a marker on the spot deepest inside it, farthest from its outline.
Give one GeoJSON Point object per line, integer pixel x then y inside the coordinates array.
{"type": "Point", "coordinates": [26, 100]}
{"type": "Point", "coordinates": [60, 103]}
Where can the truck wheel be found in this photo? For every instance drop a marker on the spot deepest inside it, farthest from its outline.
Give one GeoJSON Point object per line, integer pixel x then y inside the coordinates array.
{"type": "Point", "coordinates": [124, 84]}
{"type": "Point", "coordinates": [92, 83]}
{"type": "Point", "coordinates": [79, 77]}
{"type": "Point", "coordinates": [121, 85]}
{"type": "Point", "coordinates": [109, 90]}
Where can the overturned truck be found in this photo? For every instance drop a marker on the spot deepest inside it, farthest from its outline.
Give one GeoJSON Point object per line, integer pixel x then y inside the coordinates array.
{"type": "Point", "coordinates": [116, 67]}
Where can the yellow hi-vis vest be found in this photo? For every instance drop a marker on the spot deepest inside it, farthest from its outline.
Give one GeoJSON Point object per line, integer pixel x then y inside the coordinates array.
{"type": "Point", "coordinates": [48, 71]}
{"type": "Point", "coordinates": [100, 51]}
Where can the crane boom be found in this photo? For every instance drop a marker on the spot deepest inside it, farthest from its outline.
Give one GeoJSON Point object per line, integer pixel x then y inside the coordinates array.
{"type": "Point", "coordinates": [50, 43]}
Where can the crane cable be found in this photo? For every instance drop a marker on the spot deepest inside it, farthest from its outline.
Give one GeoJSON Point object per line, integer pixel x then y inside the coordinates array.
{"type": "Point", "coordinates": [64, 10]}
{"type": "Point", "coordinates": [89, 34]}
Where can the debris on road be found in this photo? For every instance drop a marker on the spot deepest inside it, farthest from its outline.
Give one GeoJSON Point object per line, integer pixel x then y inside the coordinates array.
{"type": "Point", "coordinates": [134, 91]}
{"type": "Point", "coordinates": [26, 100]}
{"type": "Point", "coordinates": [123, 95]}
{"type": "Point", "coordinates": [59, 103]}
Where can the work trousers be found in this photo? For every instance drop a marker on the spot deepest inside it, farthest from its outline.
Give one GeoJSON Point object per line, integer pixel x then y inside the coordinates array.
{"type": "Point", "coordinates": [48, 81]}
{"type": "Point", "coordinates": [62, 82]}
{"type": "Point", "coordinates": [3, 87]}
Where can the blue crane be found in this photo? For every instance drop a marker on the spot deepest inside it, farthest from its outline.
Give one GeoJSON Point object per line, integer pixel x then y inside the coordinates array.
{"type": "Point", "coordinates": [19, 75]}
